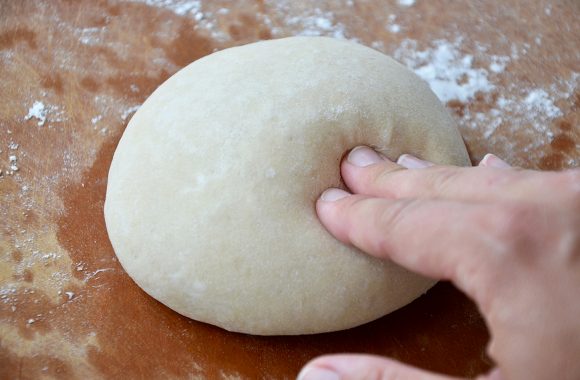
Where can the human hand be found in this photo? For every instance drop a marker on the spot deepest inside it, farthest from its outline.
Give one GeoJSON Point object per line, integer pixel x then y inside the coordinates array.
{"type": "Point", "coordinates": [508, 238]}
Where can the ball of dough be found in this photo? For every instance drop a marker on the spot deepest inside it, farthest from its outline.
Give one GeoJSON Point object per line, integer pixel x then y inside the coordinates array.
{"type": "Point", "coordinates": [211, 192]}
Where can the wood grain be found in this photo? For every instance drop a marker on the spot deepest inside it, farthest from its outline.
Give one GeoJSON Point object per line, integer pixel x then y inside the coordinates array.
{"type": "Point", "coordinates": [68, 310]}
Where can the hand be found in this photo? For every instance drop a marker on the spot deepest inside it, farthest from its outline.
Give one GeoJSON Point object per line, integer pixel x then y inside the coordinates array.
{"type": "Point", "coordinates": [508, 238]}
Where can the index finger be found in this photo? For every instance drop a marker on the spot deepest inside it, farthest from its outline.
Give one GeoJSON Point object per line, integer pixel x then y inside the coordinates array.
{"type": "Point", "coordinates": [366, 172]}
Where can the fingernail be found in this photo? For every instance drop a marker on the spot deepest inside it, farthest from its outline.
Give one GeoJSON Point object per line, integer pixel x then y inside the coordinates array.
{"type": "Point", "coordinates": [333, 194]}
{"type": "Point", "coordinates": [315, 373]}
{"type": "Point", "coordinates": [490, 160]}
{"type": "Point", "coordinates": [411, 162]}
{"type": "Point", "coordinates": [362, 156]}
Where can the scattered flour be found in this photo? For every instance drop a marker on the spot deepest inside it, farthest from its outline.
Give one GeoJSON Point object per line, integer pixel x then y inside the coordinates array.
{"type": "Point", "coordinates": [192, 8]}
{"type": "Point", "coordinates": [485, 102]}
{"type": "Point", "coordinates": [180, 7]}
{"type": "Point", "coordinates": [89, 36]}
{"type": "Point", "coordinates": [528, 112]}
{"type": "Point", "coordinates": [498, 63]}
{"type": "Point", "coordinates": [13, 160]}
{"type": "Point", "coordinates": [406, 3]}
{"type": "Point", "coordinates": [539, 101]}
{"type": "Point", "coordinates": [40, 112]}
{"type": "Point", "coordinates": [304, 21]}
{"type": "Point", "coordinates": [394, 28]}
{"type": "Point", "coordinates": [37, 111]}
{"type": "Point", "coordinates": [96, 119]}
{"type": "Point", "coordinates": [309, 21]}
{"type": "Point", "coordinates": [316, 22]}
{"type": "Point", "coordinates": [450, 74]}
{"type": "Point", "coordinates": [127, 112]}
{"type": "Point", "coordinates": [391, 25]}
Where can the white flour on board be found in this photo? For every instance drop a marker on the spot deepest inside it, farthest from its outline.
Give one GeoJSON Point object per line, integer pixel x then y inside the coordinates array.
{"type": "Point", "coordinates": [391, 25]}
{"type": "Point", "coordinates": [40, 112]}
{"type": "Point", "coordinates": [193, 9]}
{"type": "Point", "coordinates": [129, 111]}
{"type": "Point", "coordinates": [450, 73]}
{"type": "Point", "coordinates": [37, 111]}
{"type": "Point", "coordinates": [406, 3]}
{"type": "Point", "coordinates": [311, 21]}
{"type": "Point", "coordinates": [539, 100]}
{"type": "Point", "coordinates": [89, 36]}
{"type": "Point", "coordinates": [454, 76]}
{"type": "Point", "coordinates": [180, 7]}
{"type": "Point", "coordinates": [316, 22]}
{"type": "Point", "coordinates": [306, 21]}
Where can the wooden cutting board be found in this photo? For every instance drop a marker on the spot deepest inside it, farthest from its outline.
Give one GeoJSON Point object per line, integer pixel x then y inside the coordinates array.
{"type": "Point", "coordinates": [73, 72]}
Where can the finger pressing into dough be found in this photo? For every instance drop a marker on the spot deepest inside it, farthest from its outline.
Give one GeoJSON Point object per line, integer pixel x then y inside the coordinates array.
{"type": "Point", "coordinates": [354, 367]}
{"type": "Point", "coordinates": [366, 172]}
{"type": "Point", "coordinates": [425, 236]}
{"type": "Point", "coordinates": [362, 168]}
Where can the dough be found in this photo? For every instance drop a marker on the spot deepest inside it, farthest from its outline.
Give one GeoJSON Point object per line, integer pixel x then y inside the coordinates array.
{"type": "Point", "coordinates": [211, 192]}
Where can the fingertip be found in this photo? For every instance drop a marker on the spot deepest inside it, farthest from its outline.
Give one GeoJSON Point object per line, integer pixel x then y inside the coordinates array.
{"type": "Point", "coordinates": [494, 374]}
{"type": "Point", "coordinates": [321, 368]}
{"type": "Point", "coordinates": [362, 166]}
{"type": "Point", "coordinates": [490, 160]}
{"type": "Point", "coordinates": [330, 209]}
{"type": "Point", "coordinates": [333, 194]}
{"type": "Point", "coordinates": [354, 366]}
{"type": "Point", "coordinates": [325, 205]}
{"type": "Point", "coordinates": [311, 372]}
{"type": "Point", "coordinates": [363, 156]}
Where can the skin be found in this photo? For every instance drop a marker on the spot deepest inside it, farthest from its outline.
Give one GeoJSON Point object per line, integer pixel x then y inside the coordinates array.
{"type": "Point", "coordinates": [508, 238]}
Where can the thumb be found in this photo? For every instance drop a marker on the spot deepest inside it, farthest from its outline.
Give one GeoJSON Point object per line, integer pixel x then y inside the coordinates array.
{"type": "Point", "coordinates": [351, 367]}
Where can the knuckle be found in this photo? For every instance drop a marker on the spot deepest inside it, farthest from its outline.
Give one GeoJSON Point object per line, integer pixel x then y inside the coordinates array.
{"type": "Point", "coordinates": [569, 243]}
{"type": "Point", "coordinates": [509, 219]}
{"type": "Point", "coordinates": [356, 214]}
{"type": "Point", "coordinates": [390, 180]}
{"type": "Point", "coordinates": [564, 186]}
{"type": "Point", "coordinates": [510, 226]}
{"type": "Point", "coordinates": [443, 178]}
{"type": "Point", "coordinates": [494, 348]}
{"type": "Point", "coordinates": [358, 207]}
{"type": "Point", "coordinates": [391, 219]}
{"type": "Point", "coordinates": [494, 180]}
{"type": "Point", "coordinates": [393, 215]}
{"type": "Point", "coordinates": [572, 177]}
{"type": "Point", "coordinates": [353, 210]}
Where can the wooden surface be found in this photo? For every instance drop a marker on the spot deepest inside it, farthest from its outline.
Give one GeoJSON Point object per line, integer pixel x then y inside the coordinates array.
{"type": "Point", "coordinates": [73, 72]}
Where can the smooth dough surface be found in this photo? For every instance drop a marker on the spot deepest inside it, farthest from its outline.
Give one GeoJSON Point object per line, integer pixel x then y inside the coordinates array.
{"type": "Point", "coordinates": [211, 192]}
